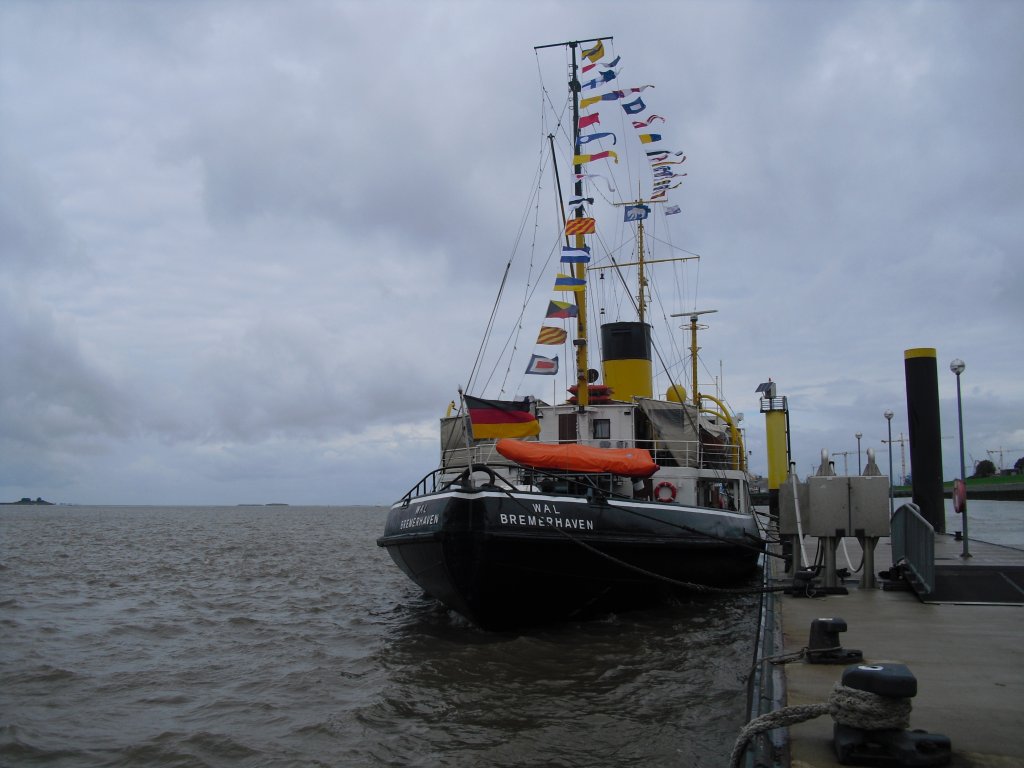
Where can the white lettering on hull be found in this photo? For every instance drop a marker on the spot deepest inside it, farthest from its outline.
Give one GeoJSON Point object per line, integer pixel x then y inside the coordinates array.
{"type": "Point", "coordinates": [416, 522]}
{"type": "Point", "coordinates": [548, 521]}
{"type": "Point", "coordinates": [418, 519]}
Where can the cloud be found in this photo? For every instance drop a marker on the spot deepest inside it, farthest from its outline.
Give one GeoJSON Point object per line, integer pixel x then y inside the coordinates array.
{"type": "Point", "coordinates": [248, 251]}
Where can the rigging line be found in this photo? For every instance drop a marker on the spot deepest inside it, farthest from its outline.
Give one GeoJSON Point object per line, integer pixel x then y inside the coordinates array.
{"type": "Point", "coordinates": [513, 337]}
{"type": "Point", "coordinates": [673, 338]}
{"type": "Point", "coordinates": [474, 371]}
{"type": "Point", "coordinates": [532, 202]}
{"type": "Point", "coordinates": [696, 285]}
{"type": "Point", "coordinates": [546, 95]}
{"type": "Point", "coordinates": [529, 289]}
{"type": "Point", "coordinates": [668, 244]}
{"type": "Point", "coordinates": [490, 325]}
{"type": "Point", "coordinates": [558, 114]}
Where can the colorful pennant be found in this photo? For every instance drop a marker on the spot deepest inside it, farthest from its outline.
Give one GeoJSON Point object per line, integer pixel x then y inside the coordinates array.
{"type": "Point", "coordinates": [549, 335]}
{"type": "Point", "coordinates": [569, 283]}
{"type": "Point", "coordinates": [636, 212]}
{"type": "Point", "coordinates": [545, 366]}
{"type": "Point", "coordinates": [586, 138]}
{"type": "Point", "coordinates": [581, 159]}
{"type": "Point", "coordinates": [584, 226]}
{"type": "Point", "coordinates": [575, 255]}
{"type": "Point", "coordinates": [595, 53]}
{"type": "Point", "coordinates": [562, 309]}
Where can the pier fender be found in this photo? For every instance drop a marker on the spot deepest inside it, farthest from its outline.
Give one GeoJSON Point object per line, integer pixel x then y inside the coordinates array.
{"type": "Point", "coordinates": [665, 491]}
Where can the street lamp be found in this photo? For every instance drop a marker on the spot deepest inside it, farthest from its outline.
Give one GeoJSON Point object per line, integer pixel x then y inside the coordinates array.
{"type": "Point", "coordinates": [888, 419]}
{"type": "Point", "coordinates": [960, 493]}
{"type": "Point", "coordinates": [858, 435]}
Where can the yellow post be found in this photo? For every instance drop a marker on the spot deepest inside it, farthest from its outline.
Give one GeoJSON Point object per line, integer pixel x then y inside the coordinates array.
{"type": "Point", "coordinates": [778, 459]}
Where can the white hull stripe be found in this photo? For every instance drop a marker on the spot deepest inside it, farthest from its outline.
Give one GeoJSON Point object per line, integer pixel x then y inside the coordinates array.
{"type": "Point", "coordinates": [575, 500]}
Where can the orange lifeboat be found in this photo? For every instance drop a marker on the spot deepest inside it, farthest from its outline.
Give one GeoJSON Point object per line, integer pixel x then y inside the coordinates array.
{"type": "Point", "coordinates": [571, 457]}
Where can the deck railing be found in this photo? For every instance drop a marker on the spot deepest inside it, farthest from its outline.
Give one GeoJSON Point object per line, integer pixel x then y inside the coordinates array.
{"type": "Point", "coordinates": [913, 545]}
{"type": "Point", "coordinates": [684, 453]}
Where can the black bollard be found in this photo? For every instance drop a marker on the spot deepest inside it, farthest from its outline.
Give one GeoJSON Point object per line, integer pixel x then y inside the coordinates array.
{"type": "Point", "coordinates": [925, 434]}
{"type": "Point", "coordinates": [887, 746]}
{"type": "Point", "coordinates": [823, 646]}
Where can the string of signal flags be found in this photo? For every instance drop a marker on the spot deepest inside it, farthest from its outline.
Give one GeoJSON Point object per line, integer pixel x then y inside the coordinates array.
{"type": "Point", "coordinates": [663, 176]}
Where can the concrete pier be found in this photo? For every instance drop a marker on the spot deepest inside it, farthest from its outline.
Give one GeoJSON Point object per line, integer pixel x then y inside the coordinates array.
{"type": "Point", "coordinates": [968, 658]}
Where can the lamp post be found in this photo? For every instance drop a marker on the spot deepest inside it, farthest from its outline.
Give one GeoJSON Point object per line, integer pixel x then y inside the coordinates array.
{"type": "Point", "coordinates": [960, 494]}
{"type": "Point", "coordinates": [858, 435]}
{"type": "Point", "coordinates": [888, 419]}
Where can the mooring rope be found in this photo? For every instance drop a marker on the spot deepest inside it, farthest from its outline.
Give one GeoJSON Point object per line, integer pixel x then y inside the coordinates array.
{"type": "Point", "coordinates": [848, 706]}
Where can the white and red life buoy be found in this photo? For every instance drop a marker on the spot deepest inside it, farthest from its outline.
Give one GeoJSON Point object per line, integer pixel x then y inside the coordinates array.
{"type": "Point", "coordinates": [959, 496]}
{"type": "Point", "coordinates": [665, 491]}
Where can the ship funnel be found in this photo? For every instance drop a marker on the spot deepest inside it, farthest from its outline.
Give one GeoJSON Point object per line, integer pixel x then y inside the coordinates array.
{"type": "Point", "coordinates": [626, 359]}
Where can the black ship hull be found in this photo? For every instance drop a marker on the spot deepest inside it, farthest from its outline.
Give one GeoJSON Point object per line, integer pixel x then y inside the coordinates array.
{"type": "Point", "coordinates": [508, 559]}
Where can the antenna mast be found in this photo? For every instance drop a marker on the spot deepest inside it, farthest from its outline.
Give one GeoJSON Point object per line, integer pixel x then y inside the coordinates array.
{"type": "Point", "coordinates": [693, 346]}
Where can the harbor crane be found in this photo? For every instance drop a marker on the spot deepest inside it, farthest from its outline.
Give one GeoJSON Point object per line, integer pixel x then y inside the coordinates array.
{"type": "Point", "coordinates": [903, 456]}
{"type": "Point", "coordinates": [844, 454]}
{"type": "Point", "coordinates": [1000, 466]}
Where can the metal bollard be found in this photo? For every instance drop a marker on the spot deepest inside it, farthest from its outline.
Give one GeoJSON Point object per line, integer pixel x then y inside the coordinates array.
{"type": "Point", "coordinates": [887, 746]}
{"type": "Point", "coordinates": [823, 646]}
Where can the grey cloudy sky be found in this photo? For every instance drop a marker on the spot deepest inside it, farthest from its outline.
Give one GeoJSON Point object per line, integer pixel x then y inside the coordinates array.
{"type": "Point", "coordinates": [247, 248]}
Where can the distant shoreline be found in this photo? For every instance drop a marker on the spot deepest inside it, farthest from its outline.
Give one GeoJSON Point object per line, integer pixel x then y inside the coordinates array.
{"type": "Point", "coordinates": [26, 501]}
{"type": "Point", "coordinates": [992, 491]}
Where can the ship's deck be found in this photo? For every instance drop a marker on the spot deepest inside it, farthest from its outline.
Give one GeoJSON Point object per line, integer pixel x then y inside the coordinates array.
{"type": "Point", "coordinates": [967, 654]}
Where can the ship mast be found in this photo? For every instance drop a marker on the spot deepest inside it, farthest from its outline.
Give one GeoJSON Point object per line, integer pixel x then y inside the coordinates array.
{"type": "Point", "coordinates": [641, 278]}
{"type": "Point", "coordinates": [642, 261]}
{"type": "Point", "coordinates": [580, 272]}
{"type": "Point", "coordinates": [582, 364]}
{"type": "Point", "coordinates": [694, 349]}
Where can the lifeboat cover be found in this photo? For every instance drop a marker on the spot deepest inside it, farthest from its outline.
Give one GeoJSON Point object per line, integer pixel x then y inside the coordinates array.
{"type": "Point", "coordinates": [571, 457]}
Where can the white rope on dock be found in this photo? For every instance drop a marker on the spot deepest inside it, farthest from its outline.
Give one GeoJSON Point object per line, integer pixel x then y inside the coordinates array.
{"type": "Point", "coordinates": [848, 706]}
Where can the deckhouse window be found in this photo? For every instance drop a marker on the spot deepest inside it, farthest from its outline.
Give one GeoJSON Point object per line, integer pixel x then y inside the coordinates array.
{"type": "Point", "coordinates": [602, 429]}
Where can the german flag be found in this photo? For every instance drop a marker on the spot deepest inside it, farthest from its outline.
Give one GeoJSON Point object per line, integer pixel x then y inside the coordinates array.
{"type": "Point", "coordinates": [501, 418]}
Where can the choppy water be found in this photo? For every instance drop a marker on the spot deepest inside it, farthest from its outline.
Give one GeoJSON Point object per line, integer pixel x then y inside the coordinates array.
{"type": "Point", "coordinates": [996, 522]}
{"type": "Point", "coordinates": [282, 636]}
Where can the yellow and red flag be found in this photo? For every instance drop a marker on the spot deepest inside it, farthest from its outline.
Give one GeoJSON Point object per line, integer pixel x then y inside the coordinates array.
{"type": "Point", "coordinates": [549, 335]}
{"type": "Point", "coordinates": [584, 226]}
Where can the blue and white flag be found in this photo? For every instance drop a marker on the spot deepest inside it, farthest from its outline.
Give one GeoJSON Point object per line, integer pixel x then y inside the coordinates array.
{"type": "Point", "coordinates": [545, 366]}
{"type": "Point", "coordinates": [636, 212]}
{"type": "Point", "coordinates": [575, 255]}
{"type": "Point", "coordinates": [586, 138]}
{"type": "Point", "coordinates": [670, 209]}
{"type": "Point", "coordinates": [604, 77]}
{"type": "Point", "coordinates": [632, 107]}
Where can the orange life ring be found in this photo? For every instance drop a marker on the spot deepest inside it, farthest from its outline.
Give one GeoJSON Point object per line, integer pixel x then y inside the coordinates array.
{"type": "Point", "coordinates": [671, 496]}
